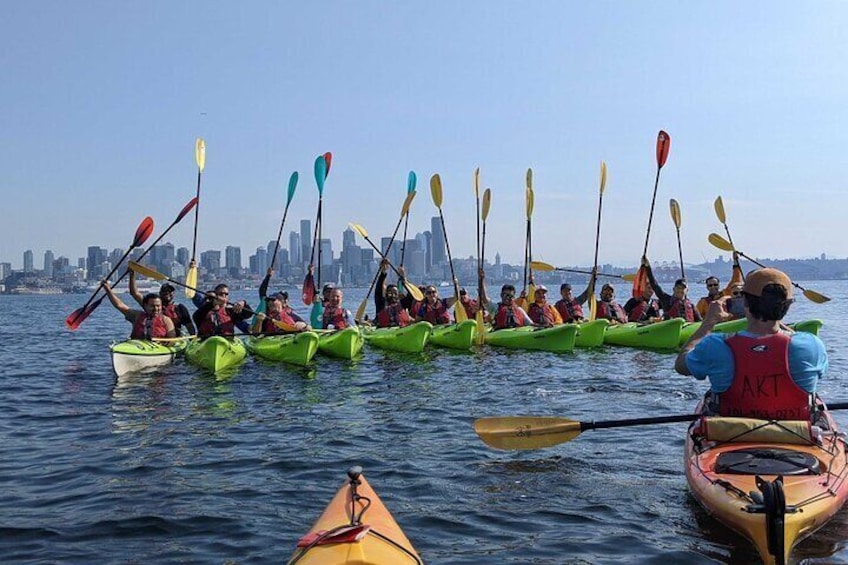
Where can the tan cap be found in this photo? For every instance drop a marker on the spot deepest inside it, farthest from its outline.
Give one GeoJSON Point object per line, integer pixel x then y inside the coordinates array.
{"type": "Point", "coordinates": [757, 280]}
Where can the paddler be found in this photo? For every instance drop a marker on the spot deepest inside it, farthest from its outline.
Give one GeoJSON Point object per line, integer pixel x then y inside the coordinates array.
{"type": "Point", "coordinates": [471, 306]}
{"type": "Point", "coordinates": [644, 308]}
{"type": "Point", "coordinates": [282, 296]}
{"type": "Point", "coordinates": [216, 316]}
{"type": "Point", "coordinates": [506, 313]}
{"type": "Point", "coordinates": [177, 312]}
{"type": "Point", "coordinates": [433, 308]}
{"type": "Point", "coordinates": [608, 308]}
{"type": "Point", "coordinates": [335, 317]}
{"type": "Point", "coordinates": [387, 301]}
{"type": "Point", "coordinates": [764, 371]}
{"type": "Point", "coordinates": [274, 311]}
{"type": "Point", "coordinates": [148, 323]}
{"type": "Point", "coordinates": [570, 308]}
{"type": "Point", "coordinates": [543, 314]}
{"type": "Point", "coordinates": [676, 305]}
{"type": "Point", "coordinates": [713, 290]}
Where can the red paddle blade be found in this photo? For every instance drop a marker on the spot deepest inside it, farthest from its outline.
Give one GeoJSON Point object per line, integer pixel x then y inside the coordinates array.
{"type": "Point", "coordinates": [79, 315]}
{"type": "Point", "coordinates": [188, 207]}
{"type": "Point", "coordinates": [145, 228]}
{"type": "Point", "coordinates": [663, 146]}
{"type": "Point", "coordinates": [328, 158]}
{"type": "Point", "coordinates": [640, 283]}
{"type": "Point", "coordinates": [308, 290]}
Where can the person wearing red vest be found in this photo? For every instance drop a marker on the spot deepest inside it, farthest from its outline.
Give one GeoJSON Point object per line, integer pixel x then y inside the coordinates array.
{"type": "Point", "coordinates": [675, 305]}
{"type": "Point", "coordinates": [542, 313]}
{"type": "Point", "coordinates": [390, 310]}
{"type": "Point", "coordinates": [264, 323]}
{"type": "Point", "coordinates": [217, 316]}
{"type": "Point", "coordinates": [336, 317]}
{"type": "Point", "coordinates": [570, 308]}
{"type": "Point", "coordinates": [177, 312]}
{"type": "Point", "coordinates": [608, 308]}
{"type": "Point", "coordinates": [644, 308]}
{"type": "Point", "coordinates": [148, 323]}
{"type": "Point", "coordinates": [433, 308]}
{"type": "Point", "coordinates": [505, 314]}
{"type": "Point", "coordinates": [472, 306]}
{"type": "Point", "coordinates": [762, 372]}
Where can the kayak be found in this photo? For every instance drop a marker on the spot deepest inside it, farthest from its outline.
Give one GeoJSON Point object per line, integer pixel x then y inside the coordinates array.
{"type": "Point", "coordinates": [558, 339]}
{"type": "Point", "coordinates": [733, 326]}
{"type": "Point", "coordinates": [355, 529]}
{"type": "Point", "coordinates": [762, 479]}
{"type": "Point", "coordinates": [345, 344]}
{"type": "Point", "coordinates": [135, 355]}
{"type": "Point", "coordinates": [659, 335]}
{"type": "Point", "coordinates": [454, 336]}
{"type": "Point", "coordinates": [408, 339]}
{"type": "Point", "coordinates": [591, 334]}
{"type": "Point", "coordinates": [295, 348]}
{"type": "Point", "coordinates": [216, 353]}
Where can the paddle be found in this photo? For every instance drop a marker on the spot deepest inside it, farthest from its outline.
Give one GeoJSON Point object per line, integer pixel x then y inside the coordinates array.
{"type": "Point", "coordinates": [528, 240]}
{"type": "Point", "coordinates": [725, 245]}
{"type": "Point", "coordinates": [542, 266]}
{"type": "Point", "coordinates": [481, 326]}
{"type": "Point", "coordinates": [320, 172]}
{"type": "Point", "coordinates": [292, 186]}
{"type": "Point", "coordinates": [478, 317]}
{"type": "Point", "coordinates": [412, 180]}
{"type": "Point", "coordinates": [410, 196]}
{"type": "Point", "coordinates": [593, 300]}
{"type": "Point", "coordinates": [411, 288]}
{"type": "Point", "coordinates": [142, 232]}
{"type": "Point", "coordinates": [536, 432]}
{"type": "Point", "coordinates": [152, 274]}
{"type": "Point", "coordinates": [722, 217]}
{"type": "Point", "coordinates": [200, 159]}
{"type": "Point", "coordinates": [436, 192]}
{"type": "Point", "coordinates": [674, 207]}
{"type": "Point", "coordinates": [663, 147]}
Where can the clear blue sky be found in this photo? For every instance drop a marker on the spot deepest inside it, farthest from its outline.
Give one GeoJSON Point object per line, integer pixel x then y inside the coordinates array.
{"type": "Point", "coordinates": [101, 103]}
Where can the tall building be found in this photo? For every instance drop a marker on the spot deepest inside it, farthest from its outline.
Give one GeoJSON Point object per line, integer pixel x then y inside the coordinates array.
{"type": "Point", "coordinates": [96, 257]}
{"type": "Point", "coordinates": [5, 270]}
{"type": "Point", "coordinates": [48, 264]}
{"type": "Point", "coordinates": [305, 241]}
{"type": "Point", "coordinates": [437, 243]}
{"type": "Point", "coordinates": [348, 237]}
{"type": "Point", "coordinates": [326, 252]}
{"type": "Point", "coordinates": [262, 261]}
{"type": "Point", "coordinates": [428, 250]}
{"type": "Point", "coordinates": [28, 263]}
{"type": "Point", "coordinates": [233, 256]}
{"type": "Point", "coordinates": [114, 257]}
{"type": "Point", "coordinates": [295, 249]}
{"type": "Point", "coordinates": [183, 257]}
{"type": "Point", "coordinates": [211, 261]}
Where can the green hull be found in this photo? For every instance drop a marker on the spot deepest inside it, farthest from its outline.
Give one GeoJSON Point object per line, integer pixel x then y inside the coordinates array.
{"type": "Point", "coordinates": [809, 326]}
{"type": "Point", "coordinates": [661, 335]}
{"type": "Point", "coordinates": [591, 334]}
{"type": "Point", "coordinates": [454, 336]}
{"type": "Point", "coordinates": [733, 326]}
{"type": "Point", "coordinates": [135, 355]}
{"type": "Point", "coordinates": [216, 353]}
{"type": "Point", "coordinates": [344, 344]}
{"type": "Point", "coordinates": [558, 339]}
{"type": "Point", "coordinates": [296, 349]}
{"type": "Point", "coordinates": [409, 339]}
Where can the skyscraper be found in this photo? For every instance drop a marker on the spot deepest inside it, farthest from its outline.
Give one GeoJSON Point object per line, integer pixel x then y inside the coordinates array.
{"type": "Point", "coordinates": [326, 252]}
{"type": "Point", "coordinates": [437, 243]}
{"type": "Point", "coordinates": [305, 241]}
{"type": "Point", "coordinates": [295, 251]}
{"type": "Point", "coordinates": [183, 256]}
{"type": "Point", "coordinates": [233, 257]}
{"type": "Point", "coordinates": [211, 261]}
{"type": "Point", "coordinates": [28, 265]}
{"type": "Point", "coordinates": [48, 264]}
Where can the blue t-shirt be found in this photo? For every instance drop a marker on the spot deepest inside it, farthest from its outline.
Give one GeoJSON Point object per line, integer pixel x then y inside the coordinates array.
{"type": "Point", "coordinates": [713, 359]}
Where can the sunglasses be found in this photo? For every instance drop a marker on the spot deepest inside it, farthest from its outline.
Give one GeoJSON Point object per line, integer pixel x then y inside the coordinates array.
{"type": "Point", "coordinates": [712, 284]}
{"type": "Point", "coordinates": [507, 295]}
{"type": "Point", "coordinates": [430, 292]}
{"type": "Point", "coordinates": [222, 293]}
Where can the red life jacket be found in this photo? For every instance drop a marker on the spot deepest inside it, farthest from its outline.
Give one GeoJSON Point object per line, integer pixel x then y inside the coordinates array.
{"type": "Point", "coordinates": [171, 311]}
{"type": "Point", "coordinates": [147, 327]}
{"type": "Point", "coordinates": [269, 327]}
{"type": "Point", "coordinates": [508, 317]}
{"type": "Point", "coordinates": [470, 308]}
{"type": "Point", "coordinates": [436, 315]}
{"type": "Point", "coordinates": [334, 317]}
{"type": "Point", "coordinates": [391, 316]}
{"type": "Point", "coordinates": [681, 308]}
{"type": "Point", "coordinates": [762, 385]}
{"type": "Point", "coordinates": [611, 311]}
{"type": "Point", "coordinates": [541, 314]}
{"type": "Point", "coordinates": [570, 311]}
{"type": "Point", "coordinates": [216, 322]}
{"type": "Point", "coordinates": [639, 313]}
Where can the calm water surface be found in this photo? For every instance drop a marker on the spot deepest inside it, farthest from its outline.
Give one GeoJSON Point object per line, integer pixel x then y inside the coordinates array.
{"type": "Point", "coordinates": [180, 467]}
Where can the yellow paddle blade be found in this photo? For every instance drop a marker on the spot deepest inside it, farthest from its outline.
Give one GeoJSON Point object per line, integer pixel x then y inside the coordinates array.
{"type": "Point", "coordinates": [531, 294]}
{"type": "Point", "coordinates": [629, 277]}
{"type": "Point", "coordinates": [541, 266]}
{"type": "Point", "coordinates": [191, 281]}
{"type": "Point", "coordinates": [360, 312]}
{"type": "Point", "coordinates": [407, 203]}
{"type": "Point", "coordinates": [459, 311]}
{"type": "Point", "coordinates": [530, 179]}
{"type": "Point", "coordinates": [477, 182]}
{"type": "Point", "coordinates": [436, 189]}
{"type": "Point", "coordinates": [675, 212]}
{"type": "Point", "coordinates": [528, 196]}
{"type": "Point", "coordinates": [481, 328]}
{"type": "Point", "coordinates": [146, 271]}
{"type": "Point", "coordinates": [603, 176]}
{"type": "Point", "coordinates": [487, 201]}
{"type": "Point", "coordinates": [814, 296]}
{"type": "Point", "coordinates": [719, 210]}
{"type": "Point", "coordinates": [200, 153]}
{"type": "Point", "coordinates": [413, 290]}
{"type": "Point", "coordinates": [718, 241]}
{"type": "Point", "coordinates": [360, 230]}
{"type": "Point", "coordinates": [531, 432]}
{"type": "Point", "coordinates": [593, 306]}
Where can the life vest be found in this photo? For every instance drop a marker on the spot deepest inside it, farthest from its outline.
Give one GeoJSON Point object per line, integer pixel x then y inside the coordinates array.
{"type": "Point", "coordinates": [470, 308]}
{"type": "Point", "coordinates": [542, 314]}
{"type": "Point", "coordinates": [269, 327]}
{"type": "Point", "coordinates": [611, 311]}
{"type": "Point", "coordinates": [171, 311]}
{"type": "Point", "coordinates": [391, 316]}
{"type": "Point", "coordinates": [508, 317]}
{"type": "Point", "coordinates": [570, 311]}
{"type": "Point", "coordinates": [762, 386]}
{"type": "Point", "coordinates": [217, 322]}
{"type": "Point", "coordinates": [641, 312]}
{"type": "Point", "coordinates": [147, 327]}
{"type": "Point", "coordinates": [334, 317]}
{"type": "Point", "coordinates": [436, 314]}
{"type": "Point", "coordinates": [681, 308]}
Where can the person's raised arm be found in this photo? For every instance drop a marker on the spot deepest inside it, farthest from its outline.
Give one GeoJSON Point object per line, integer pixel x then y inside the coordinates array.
{"type": "Point", "coordinates": [584, 296]}
{"type": "Point", "coordinates": [263, 288]}
{"type": "Point", "coordinates": [113, 298]}
{"type": "Point", "coordinates": [134, 289]}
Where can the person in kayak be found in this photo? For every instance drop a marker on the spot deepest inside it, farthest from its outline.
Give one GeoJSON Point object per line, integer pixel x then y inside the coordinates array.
{"type": "Point", "coordinates": [570, 308]}
{"type": "Point", "coordinates": [148, 323]}
{"type": "Point", "coordinates": [763, 371]}
{"type": "Point", "coordinates": [542, 313]}
{"type": "Point", "coordinates": [433, 308]}
{"type": "Point", "coordinates": [676, 305]}
{"type": "Point", "coordinates": [217, 316]}
{"type": "Point", "coordinates": [471, 305]}
{"type": "Point", "coordinates": [178, 313]}
{"type": "Point", "coordinates": [335, 317]}
{"type": "Point", "coordinates": [506, 313]}
{"type": "Point", "coordinates": [264, 322]}
{"type": "Point", "coordinates": [608, 308]}
{"type": "Point", "coordinates": [387, 302]}
{"type": "Point", "coordinates": [714, 292]}
{"type": "Point", "coordinates": [644, 308]}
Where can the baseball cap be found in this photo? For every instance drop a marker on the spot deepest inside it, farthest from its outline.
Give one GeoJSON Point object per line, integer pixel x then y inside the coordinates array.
{"type": "Point", "coordinates": [328, 286]}
{"type": "Point", "coordinates": [463, 291]}
{"type": "Point", "coordinates": [757, 280]}
{"type": "Point", "coordinates": [565, 286]}
{"type": "Point", "coordinates": [541, 288]}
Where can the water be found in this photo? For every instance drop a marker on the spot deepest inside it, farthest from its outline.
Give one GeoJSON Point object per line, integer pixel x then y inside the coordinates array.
{"type": "Point", "coordinates": [180, 467]}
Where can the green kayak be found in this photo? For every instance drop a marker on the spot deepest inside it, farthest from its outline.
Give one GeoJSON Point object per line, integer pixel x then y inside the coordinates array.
{"type": "Point", "coordinates": [660, 335]}
{"type": "Point", "coordinates": [135, 355]}
{"type": "Point", "coordinates": [591, 334]}
{"type": "Point", "coordinates": [297, 348]}
{"type": "Point", "coordinates": [809, 326]}
{"type": "Point", "coordinates": [733, 326]}
{"type": "Point", "coordinates": [408, 339]}
{"type": "Point", "coordinates": [345, 344]}
{"type": "Point", "coordinates": [454, 336]}
{"type": "Point", "coordinates": [558, 339]}
{"type": "Point", "coordinates": [216, 353]}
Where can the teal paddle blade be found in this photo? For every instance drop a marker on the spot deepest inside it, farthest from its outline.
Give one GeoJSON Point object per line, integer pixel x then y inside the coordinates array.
{"type": "Point", "coordinates": [411, 182]}
{"type": "Point", "coordinates": [292, 186]}
{"type": "Point", "coordinates": [320, 173]}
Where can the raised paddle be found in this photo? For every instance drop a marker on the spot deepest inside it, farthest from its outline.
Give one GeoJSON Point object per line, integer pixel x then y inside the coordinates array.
{"type": "Point", "coordinates": [484, 214]}
{"type": "Point", "coordinates": [663, 147]}
{"type": "Point", "coordinates": [674, 208]}
{"type": "Point", "coordinates": [722, 217]}
{"type": "Point", "coordinates": [725, 245]}
{"type": "Point", "coordinates": [536, 432]}
{"type": "Point", "coordinates": [290, 194]}
{"type": "Point", "coordinates": [542, 266]}
{"type": "Point", "coordinates": [410, 196]}
{"type": "Point", "coordinates": [478, 317]}
{"type": "Point", "coordinates": [142, 233]}
{"type": "Point", "coordinates": [593, 300]}
{"type": "Point", "coordinates": [436, 192]}
{"type": "Point", "coordinates": [320, 171]}
{"type": "Point", "coordinates": [200, 159]}
{"type": "Point", "coordinates": [528, 241]}
{"type": "Point", "coordinates": [411, 288]}
{"type": "Point", "coordinates": [411, 181]}
{"type": "Point", "coordinates": [152, 274]}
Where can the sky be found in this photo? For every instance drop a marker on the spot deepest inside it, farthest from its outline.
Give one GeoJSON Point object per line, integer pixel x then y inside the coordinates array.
{"type": "Point", "coordinates": [102, 101]}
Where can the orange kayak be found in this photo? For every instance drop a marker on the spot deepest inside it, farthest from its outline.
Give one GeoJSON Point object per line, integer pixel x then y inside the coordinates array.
{"type": "Point", "coordinates": [774, 482]}
{"type": "Point", "coordinates": [355, 529]}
